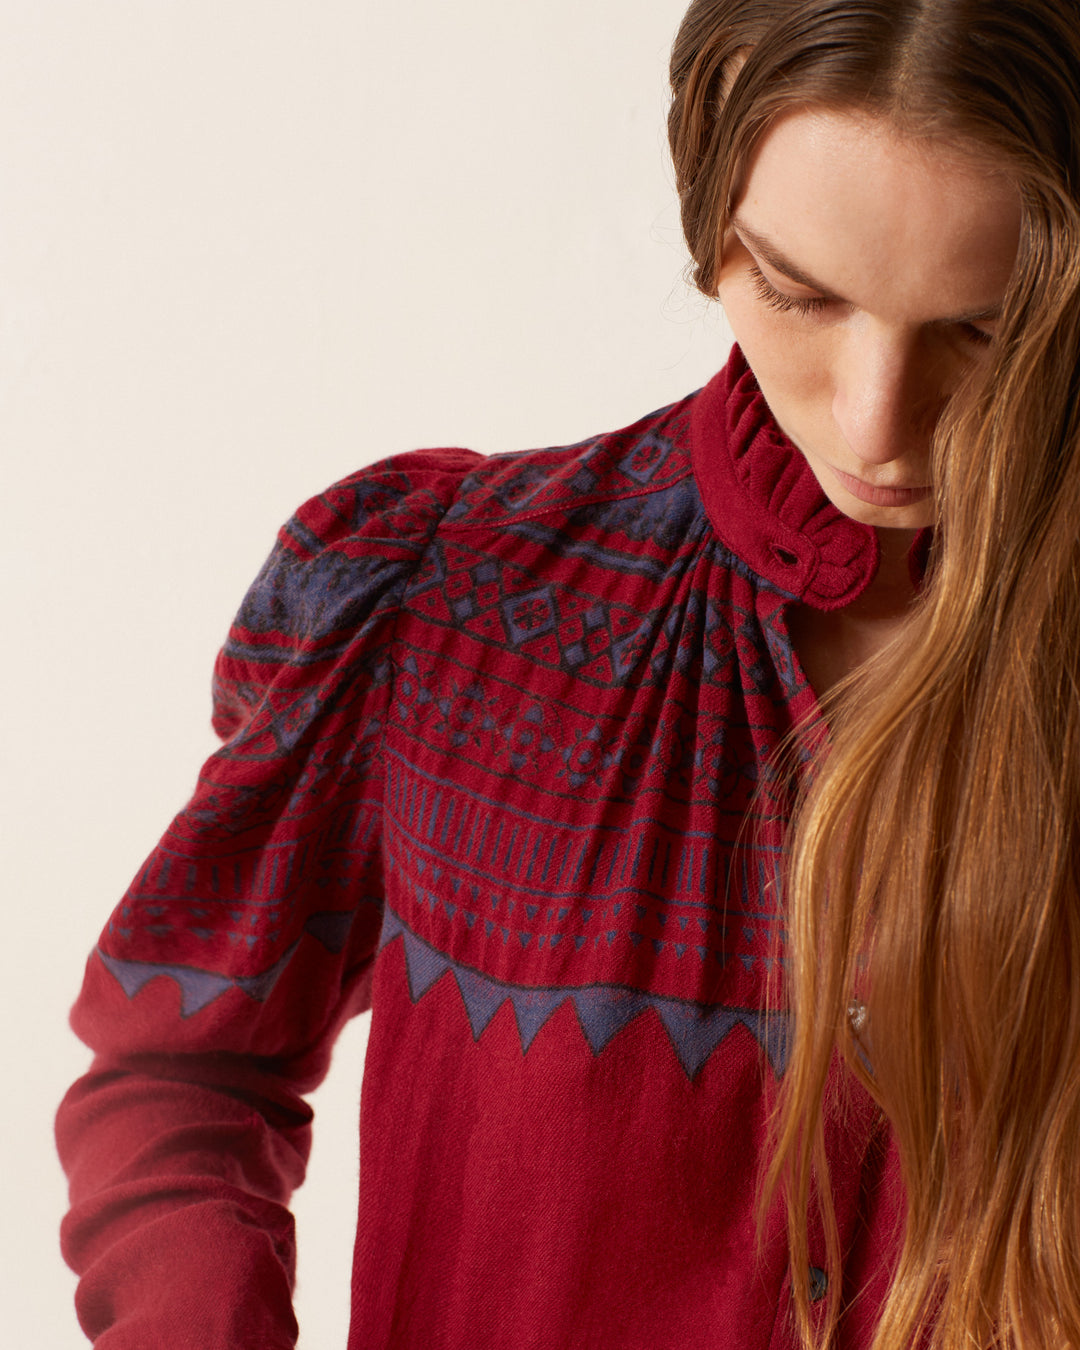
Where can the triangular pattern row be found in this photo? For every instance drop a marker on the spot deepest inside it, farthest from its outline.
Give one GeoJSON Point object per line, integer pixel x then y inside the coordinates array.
{"type": "Point", "coordinates": [199, 988]}
{"type": "Point", "coordinates": [694, 1029]}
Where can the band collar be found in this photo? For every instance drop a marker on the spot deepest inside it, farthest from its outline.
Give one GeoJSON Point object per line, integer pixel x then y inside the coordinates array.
{"type": "Point", "coordinates": [764, 502]}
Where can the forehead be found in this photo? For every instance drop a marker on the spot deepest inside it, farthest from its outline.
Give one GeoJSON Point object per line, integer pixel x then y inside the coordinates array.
{"type": "Point", "coordinates": [908, 226]}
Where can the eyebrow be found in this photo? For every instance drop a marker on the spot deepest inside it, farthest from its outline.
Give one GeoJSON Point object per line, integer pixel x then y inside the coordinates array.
{"type": "Point", "coordinates": [764, 248]}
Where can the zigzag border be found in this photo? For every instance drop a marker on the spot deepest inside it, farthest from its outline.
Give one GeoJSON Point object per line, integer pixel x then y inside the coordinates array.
{"type": "Point", "coordinates": [694, 1029]}
{"type": "Point", "coordinates": [199, 988]}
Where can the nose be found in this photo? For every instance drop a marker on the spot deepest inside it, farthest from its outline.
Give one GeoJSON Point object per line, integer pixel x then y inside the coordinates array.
{"type": "Point", "coordinates": [888, 395]}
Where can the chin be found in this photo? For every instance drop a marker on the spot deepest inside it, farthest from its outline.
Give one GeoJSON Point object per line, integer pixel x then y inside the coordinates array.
{"type": "Point", "coordinates": [884, 519]}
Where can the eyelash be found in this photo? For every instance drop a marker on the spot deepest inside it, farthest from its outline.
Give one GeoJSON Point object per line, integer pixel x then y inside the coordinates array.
{"type": "Point", "coordinates": [786, 304]}
{"type": "Point", "coordinates": [977, 336]}
{"type": "Point", "coordinates": [789, 304]}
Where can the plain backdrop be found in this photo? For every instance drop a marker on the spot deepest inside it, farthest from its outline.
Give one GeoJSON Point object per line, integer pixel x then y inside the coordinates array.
{"type": "Point", "coordinates": [247, 246]}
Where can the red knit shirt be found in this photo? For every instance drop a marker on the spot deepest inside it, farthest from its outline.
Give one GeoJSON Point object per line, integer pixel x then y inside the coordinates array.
{"type": "Point", "coordinates": [492, 728]}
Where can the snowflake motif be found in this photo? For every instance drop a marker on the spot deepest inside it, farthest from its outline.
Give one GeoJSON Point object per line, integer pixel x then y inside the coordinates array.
{"type": "Point", "coordinates": [374, 501]}
{"type": "Point", "coordinates": [358, 754]}
{"type": "Point", "coordinates": [643, 460]}
{"type": "Point", "coordinates": [532, 614]}
{"type": "Point", "coordinates": [584, 760]}
{"type": "Point", "coordinates": [724, 781]}
{"type": "Point", "coordinates": [523, 487]}
{"type": "Point", "coordinates": [466, 715]}
{"type": "Point", "coordinates": [525, 738]}
{"type": "Point", "coordinates": [289, 726]}
{"type": "Point", "coordinates": [644, 457]}
{"type": "Point", "coordinates": [630, 652]}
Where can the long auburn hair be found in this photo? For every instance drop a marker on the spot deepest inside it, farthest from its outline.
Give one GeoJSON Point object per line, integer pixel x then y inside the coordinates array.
{"type": "Point", "coordinates": [933, 875]}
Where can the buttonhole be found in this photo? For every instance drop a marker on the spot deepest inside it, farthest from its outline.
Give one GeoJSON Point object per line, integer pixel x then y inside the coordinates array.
{"type": "Point", "coordinates": [785, 556]}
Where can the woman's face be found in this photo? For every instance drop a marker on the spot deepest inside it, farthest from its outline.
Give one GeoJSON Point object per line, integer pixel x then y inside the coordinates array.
{"type": "Point", "coordinates": [863, 275]}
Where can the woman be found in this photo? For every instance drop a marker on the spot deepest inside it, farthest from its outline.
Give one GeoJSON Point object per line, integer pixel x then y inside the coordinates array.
{"type": "Point", "coordinates": [512, 751]}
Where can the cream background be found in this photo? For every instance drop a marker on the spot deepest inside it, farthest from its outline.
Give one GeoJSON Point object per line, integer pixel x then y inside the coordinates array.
{"type": "Point", "coordinates": [247, 246]}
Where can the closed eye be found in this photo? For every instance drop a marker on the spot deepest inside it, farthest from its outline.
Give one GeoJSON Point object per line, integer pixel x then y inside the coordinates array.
{"type": "Point", "coordinates": [786, 304]}
{"type": "Point", "coordinates": [979, 336]}
{"type": "Point", "coordinates": [814, 304]}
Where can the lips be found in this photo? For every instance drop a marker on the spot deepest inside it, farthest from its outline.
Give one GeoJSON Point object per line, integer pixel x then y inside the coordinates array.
{"type": "Point", "coordinates": [880, 496]}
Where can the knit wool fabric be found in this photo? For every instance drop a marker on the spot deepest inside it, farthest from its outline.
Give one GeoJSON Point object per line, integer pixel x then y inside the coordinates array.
{"type": "Point", "coordinates": [499, 761]}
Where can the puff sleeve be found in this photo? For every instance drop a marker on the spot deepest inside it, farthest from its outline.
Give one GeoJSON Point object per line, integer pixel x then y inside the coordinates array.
{"type": "Point", "coordinates": [245, 942]}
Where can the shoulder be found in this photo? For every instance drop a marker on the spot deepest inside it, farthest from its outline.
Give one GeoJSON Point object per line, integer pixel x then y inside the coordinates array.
{"type": "Point", "coordinates": [326, 597]}
{"type": "Point", "coordinates": [393, 508]}
{"type": "Point", "coordinates": [343, 562]}
{"type": "Point", "coordinates": [348, 547]}
{"type": "Point", "coordinates": [353, 543]}
{"type": "Point", "coordinates": [401, 499]}
{"type": "Point", "coordinates": [617, 469]}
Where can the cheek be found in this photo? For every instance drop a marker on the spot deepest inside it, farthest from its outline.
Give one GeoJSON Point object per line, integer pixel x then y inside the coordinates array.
{"type": "Point", "coordinates": [791, 362]}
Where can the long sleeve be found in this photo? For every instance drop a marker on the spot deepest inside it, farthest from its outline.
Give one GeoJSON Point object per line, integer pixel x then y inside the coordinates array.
{"type": "Point", "coordinates": [214, 996]}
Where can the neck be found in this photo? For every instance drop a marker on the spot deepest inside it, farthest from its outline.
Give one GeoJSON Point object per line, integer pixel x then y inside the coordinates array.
{"type": "Point", "coordinates": [892, 587]}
